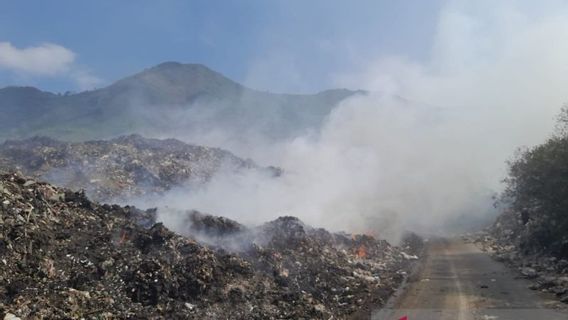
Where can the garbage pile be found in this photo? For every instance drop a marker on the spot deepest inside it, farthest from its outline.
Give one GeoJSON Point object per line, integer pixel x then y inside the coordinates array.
{"type": "Point", "coordinates": [63, 256]}
{"type": "Point", "coordinates": [345, 273]}
{"type": "Point", "coordinates": [119, 169]}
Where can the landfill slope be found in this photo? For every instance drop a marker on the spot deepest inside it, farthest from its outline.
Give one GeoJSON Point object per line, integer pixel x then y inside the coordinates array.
{"type": "Point", "coordinates": [121, 168]}
{"type": "Point", "coordinates": [64, 256]}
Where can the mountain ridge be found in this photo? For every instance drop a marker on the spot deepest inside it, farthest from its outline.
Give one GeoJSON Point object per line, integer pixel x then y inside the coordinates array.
{"type": "Point", "coordinates": [163, 100]}
{"type": "Point", "coordinates": [167, 66]}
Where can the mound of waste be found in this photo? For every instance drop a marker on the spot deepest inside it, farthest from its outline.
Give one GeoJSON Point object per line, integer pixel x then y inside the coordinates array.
{"type": "Point", "coordinates": [63, 256]}
{"type": "Point", "coordinates": [121, 168]}
{"type": "Point", "coordinates": [346, 273]}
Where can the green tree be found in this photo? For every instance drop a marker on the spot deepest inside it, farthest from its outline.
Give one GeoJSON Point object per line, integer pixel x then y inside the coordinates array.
{"type": "Point", "coordinates": [537, 186]}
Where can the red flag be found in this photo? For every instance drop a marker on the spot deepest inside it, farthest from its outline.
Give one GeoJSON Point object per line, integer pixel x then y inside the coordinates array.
{"type": "Point", "coordinates": [404, 318]}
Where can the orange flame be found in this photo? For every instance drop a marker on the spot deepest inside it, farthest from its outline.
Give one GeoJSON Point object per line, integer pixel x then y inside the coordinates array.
{"type": "Point", "coordinates": [361, 252]}
{"type": "Point", "coordinates": [123, 237]}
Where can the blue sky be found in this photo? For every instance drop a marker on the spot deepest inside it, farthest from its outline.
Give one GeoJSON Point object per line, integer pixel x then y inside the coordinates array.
{"type": "Point", "coordinates": [283, 46]}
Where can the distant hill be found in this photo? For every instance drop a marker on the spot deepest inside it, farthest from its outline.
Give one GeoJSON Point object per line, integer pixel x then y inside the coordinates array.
{"type": "Point", "coordinates": [170, 99]}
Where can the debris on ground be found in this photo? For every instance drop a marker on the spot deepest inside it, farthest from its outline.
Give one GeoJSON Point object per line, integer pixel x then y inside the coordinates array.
{"type": "Point", "coordinates": [546, 272]}
{"type": "Point", "coordinates": [530, 233]}
{"type": "Point", "coordinates": [66, 257]}
{"type": "Point", "coordinates": [122, 168]}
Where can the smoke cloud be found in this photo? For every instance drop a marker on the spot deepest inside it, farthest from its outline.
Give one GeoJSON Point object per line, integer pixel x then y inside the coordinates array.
{"type": "Point", "coordinates": [427, 149]}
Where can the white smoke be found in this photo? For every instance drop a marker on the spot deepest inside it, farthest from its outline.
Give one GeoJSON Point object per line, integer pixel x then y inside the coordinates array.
{"type": "Point", "coordinates": [428, 151]}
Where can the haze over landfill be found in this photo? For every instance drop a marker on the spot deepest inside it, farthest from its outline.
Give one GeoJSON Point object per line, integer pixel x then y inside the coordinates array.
{"type": "Point", "coordinates": [379, 139]}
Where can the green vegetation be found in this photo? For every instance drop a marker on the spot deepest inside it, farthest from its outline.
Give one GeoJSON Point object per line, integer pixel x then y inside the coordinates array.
{"type": "Point", "coordinates": [170, 99]}
{"type": "Point", "coordinates": [537, 188]}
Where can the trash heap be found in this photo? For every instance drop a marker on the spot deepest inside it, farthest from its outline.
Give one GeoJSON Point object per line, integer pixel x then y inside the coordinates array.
{"type": "Point", "coordinates": [119, 169]}
{"type": "Point", "coordinates": [63, 256]}
{"type": "Point", "coordinates": [343, 273]}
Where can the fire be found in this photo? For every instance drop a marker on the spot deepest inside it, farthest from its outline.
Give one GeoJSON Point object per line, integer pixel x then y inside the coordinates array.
{"type": "Point", "coordinates": [123, 237]}
{"type": "Point", "coordinates": [361, 252]}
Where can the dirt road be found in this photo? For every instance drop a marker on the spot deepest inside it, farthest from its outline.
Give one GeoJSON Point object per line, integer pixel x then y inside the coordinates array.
{"type": "Point", "coordinates": [458, 281]}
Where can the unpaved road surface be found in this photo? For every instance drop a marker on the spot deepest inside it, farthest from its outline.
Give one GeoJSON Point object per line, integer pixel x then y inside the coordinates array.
{"type": "Point", "coordinates": [458, 281]}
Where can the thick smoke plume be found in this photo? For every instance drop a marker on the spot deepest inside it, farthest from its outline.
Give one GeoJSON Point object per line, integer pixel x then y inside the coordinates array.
{"type": "Point", "coordinates": [426, 150]}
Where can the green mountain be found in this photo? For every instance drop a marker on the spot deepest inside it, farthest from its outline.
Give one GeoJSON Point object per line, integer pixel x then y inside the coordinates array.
{"type": "Point", "coordinates": [170, 99]}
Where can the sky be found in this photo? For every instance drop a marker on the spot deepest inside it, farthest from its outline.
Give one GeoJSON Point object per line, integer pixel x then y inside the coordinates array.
{"type": "Point", "coordinates": [281, 46]}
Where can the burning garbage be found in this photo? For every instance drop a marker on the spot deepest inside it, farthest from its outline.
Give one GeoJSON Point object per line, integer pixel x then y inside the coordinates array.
{"type": "Point", "coordinates": [361, 252]}
{"type": "Point", "coordinates": [64, 256]}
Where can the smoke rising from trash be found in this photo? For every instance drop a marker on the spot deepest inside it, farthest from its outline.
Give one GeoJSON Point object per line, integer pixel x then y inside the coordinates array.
{"type": "Point", "coordinates": [425, 149]}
